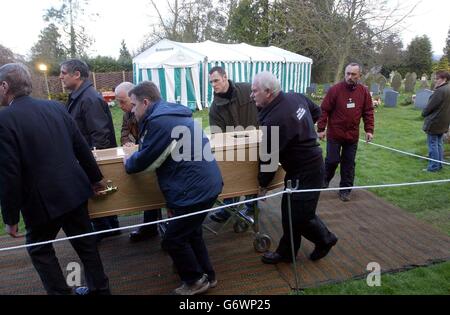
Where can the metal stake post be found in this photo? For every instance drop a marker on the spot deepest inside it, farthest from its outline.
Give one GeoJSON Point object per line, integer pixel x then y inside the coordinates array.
{"type": "Point", "coordinates": [294, 263]}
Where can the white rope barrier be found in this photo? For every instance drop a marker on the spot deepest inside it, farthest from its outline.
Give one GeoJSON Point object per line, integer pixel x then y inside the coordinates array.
{"type": "Point", "coordinates": [404, 152]}
{"type": "Point", "coordinates": [287, 191]}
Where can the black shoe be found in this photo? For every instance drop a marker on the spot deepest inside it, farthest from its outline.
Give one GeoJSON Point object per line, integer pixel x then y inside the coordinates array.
{"type": "Point", "coordinates": [320, 252]}
{"type": "Point", "coordinates": [344, 196]}
{"type": "Point", "coordinates": [142, 234]}
{"type": "Point", "coordinates": [219, 217]}
{"type": "Point", "coordinates": [86, 291]}
{"type": "Point", "coordinates": [107, 234]}
{"type": "Point", "coordinates": [274, 258]}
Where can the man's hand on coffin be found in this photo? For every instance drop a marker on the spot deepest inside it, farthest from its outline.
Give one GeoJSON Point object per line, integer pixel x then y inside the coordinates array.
{"type": "Point", "coordinates": [262, 192]}
{"type": "Point", "coordinates": [99, 187]}
{"type": "Point", "coordinates": [13, 230]}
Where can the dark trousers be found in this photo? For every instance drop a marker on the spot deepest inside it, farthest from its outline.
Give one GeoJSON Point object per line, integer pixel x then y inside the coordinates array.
{"type": "Point", "coordinates": [105, 223]}
{"type": "Point", "coordinates": [303, 213]}
{"type": "Point", "coordinates": [345, 154]}
{"type": "Point", "coordinates": [150, 216]}
{"type": "Point", "coordinates": [46, 263]}
{"type": "Point", "coordinates": [184, 242]}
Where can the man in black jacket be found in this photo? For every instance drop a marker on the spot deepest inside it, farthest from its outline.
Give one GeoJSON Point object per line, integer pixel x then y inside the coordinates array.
{"type": "Point", "coordinates": [47, 173]}
{"type": "Point", "coordinates": [93, 118]}
{"type": "Point", "coordinates": [296, 147]}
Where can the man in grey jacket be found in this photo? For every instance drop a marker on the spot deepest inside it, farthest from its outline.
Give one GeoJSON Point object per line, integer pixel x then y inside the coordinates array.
{"type": "Point", "coordinates": [232, 107]}
{"type": "Point", "coordinates": [437, 120]}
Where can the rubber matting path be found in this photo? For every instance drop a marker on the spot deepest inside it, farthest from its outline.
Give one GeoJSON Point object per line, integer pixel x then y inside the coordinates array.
{"type": "Point", "coordinates": [369, 230]}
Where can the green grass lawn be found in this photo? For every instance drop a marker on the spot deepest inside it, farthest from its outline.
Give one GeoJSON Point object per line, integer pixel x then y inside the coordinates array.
{"type": "Point", "coordinates": [399, 128]}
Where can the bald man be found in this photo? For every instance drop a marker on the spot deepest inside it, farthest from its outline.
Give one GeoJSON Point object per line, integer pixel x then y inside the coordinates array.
{"type": "Point", "coordinates": [129, 136]}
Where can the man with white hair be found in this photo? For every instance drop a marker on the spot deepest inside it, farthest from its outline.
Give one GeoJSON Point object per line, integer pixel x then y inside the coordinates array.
{"type": "Point", "coordinates": [129, 136]}
{"type": "Point", "coordinates": [301, 157]}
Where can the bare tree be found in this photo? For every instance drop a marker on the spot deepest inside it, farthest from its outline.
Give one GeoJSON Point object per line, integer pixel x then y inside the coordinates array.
{"type": "Point", "coordinates": [340, 29]}
{"type": "Point", "coordinates": [191, 20]}
{"type": "Point", "coordinates": [70, 17]}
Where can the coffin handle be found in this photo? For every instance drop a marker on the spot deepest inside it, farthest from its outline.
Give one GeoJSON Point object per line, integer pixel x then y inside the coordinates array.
{"type": "Point", "coordinates": [110, 189]}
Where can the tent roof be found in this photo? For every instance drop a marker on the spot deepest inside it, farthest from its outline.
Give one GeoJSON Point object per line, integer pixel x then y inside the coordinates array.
{"type": "Point", "coordinates": [213, 52]}
{"type": "Point", "coordinates": [171, 58]}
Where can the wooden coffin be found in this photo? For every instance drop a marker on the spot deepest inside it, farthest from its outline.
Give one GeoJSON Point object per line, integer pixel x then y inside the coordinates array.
{"type": "Point", "coordinates": [236, 155]}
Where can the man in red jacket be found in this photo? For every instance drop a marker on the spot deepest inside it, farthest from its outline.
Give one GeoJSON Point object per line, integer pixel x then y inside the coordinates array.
{"type": "Point", "coordinates": [342, 109]}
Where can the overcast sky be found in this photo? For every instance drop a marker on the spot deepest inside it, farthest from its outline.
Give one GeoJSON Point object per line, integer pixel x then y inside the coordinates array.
{"type": "Point", "coordinates": [22, 22]}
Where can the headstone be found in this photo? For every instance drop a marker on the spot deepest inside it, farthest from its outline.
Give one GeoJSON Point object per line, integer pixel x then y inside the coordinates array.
{"type": "Point", "coordinates": [375, 88]}
{"type": "Point", "coordinates": [410, 82]}
{"type": "Point", "coordinates": [384, 93]}
{"type": "Point", "coordinates": [424, 77]}
{"type": "Point", "coordinates": [326, 88]}
{"type": "Point", "coordinates": [433, 78]}
{"type": "Point", "coordinates": [391, 76]}
{"type": "Point", "coordinates": [422, 98]}
{"type": "Point", "coordinates": [390, 99]}
{"type": "Point", "coordinates": [369, 79]}
{"type": "Point", "coordinates": [424, 84]}
{"type": "Point", "coordinates": [397, 82]}
{"type": "Point", "coordinates": [381, 80]}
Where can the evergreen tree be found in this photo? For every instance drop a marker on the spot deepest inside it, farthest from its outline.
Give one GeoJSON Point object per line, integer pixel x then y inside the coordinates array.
{"type": "Point", "coordinates": [70, 17]}
{"type": "Point", "coordinates": [443, 64]}
{"type": "Point", "coordinates": [125, 60]}
{"type": "Point", "coordinates": [419, 56]}
{"type": "Point", "coordinates": [49, 49]}
{"type": "Point", "coordinates": [447, 46]}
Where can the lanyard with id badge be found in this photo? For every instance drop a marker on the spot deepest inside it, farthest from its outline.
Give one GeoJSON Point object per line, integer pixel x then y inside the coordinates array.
{"type": "Point", "coordinates": [350, 104]}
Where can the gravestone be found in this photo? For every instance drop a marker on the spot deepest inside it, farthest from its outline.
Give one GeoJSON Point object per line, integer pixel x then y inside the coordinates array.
{"type": "Point", "coordinates": [424, 77]}
{"type": "Point", "coordinates": [410, 82]}
{"type": "Point", "coordinates": [422, 98]}
{"type": "Point", "coordinates": [375, 88]}
{"type": "Point", "coordinates": [369, 79]}
{"type": "Point", "coordinates": [391, 76]}
{"type": "Point", "coordinates": [381, 80]}
{"type": "Point", "coordinates": [397, 82]}
{"type": "Point", "coordinates": [433, 77]}
{"type": "Point", "coordinates": [326, 88]}
{"type": "Point", "coordinates": [424, 84]}
{"type": "Point", "coordinates": [385, 90]}
{"type": "Point", "coordinates": [390, 99]}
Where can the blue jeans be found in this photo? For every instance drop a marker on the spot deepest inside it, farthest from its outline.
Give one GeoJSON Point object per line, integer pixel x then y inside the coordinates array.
{"type": "Point", "coordinates": [435, 151]}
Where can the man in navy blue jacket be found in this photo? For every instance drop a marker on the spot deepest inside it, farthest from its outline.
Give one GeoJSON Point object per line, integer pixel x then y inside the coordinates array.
{"type": "Point", "coordinates": [47, 172]}
{"type": "Point", "coordinates": [299, 153]}
{"type": "Point", "coordinates": [188, 176]}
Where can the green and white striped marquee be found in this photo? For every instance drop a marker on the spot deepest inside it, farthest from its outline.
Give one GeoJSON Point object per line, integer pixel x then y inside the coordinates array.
{"type": "Point", "coordinates": [293, 76]}
{"type": "Point", "coordinates": [177, 85]}
{"type": "Point", "coordinates": [181, 70]}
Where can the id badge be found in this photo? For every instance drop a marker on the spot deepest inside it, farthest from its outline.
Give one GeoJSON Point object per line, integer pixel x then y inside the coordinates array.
{"type": "Point", "coordinates": [351, 105]}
